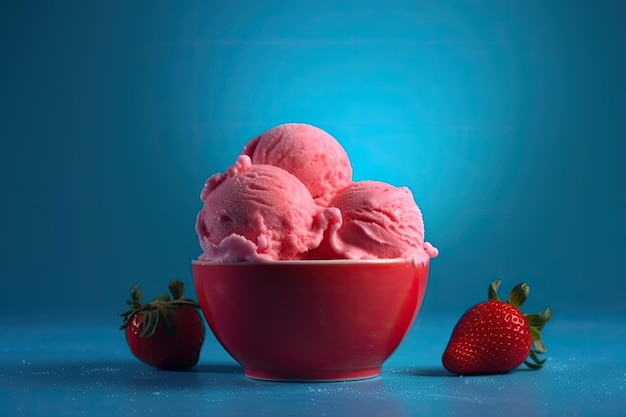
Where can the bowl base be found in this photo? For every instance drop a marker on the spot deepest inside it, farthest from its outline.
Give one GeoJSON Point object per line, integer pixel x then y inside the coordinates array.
{"type": "Point", "coordinates": [312, 376]}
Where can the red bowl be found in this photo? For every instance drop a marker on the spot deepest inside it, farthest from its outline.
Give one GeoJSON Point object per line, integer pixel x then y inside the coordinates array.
{"type": "Point", "coordinates": [311, 320]}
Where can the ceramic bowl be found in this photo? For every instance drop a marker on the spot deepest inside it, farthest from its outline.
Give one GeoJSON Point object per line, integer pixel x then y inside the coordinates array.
{"type": "Point", "coordinates": [329, 320]}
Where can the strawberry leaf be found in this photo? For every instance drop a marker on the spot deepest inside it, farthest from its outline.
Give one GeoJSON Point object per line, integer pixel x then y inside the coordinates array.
{"type": "Point", "coordinates": [540, 319]}
{"type": "Point", "coordinates": [535, 325]}
{"type": "Point", "coordinates": [157, 312]}
{"type": "Point", "coordinates": [135, 293]}
{"type": "Point", "coordinates": [535, 333]}
{"type": "Point", "coordinates": [167, 321]}
{"type": "Point", "coordinates": [492, 293]}
{"type": "Point", "coordinates": [538, 346]}
{"type": "Point", "coordinates": [150, 321]}
{"type": "Point", "coordinates": [177, 289]}
{"type": "Point", "coordinates": [535, 358]}
{"type": "Point", "coordinates": [532, 365]}
{"type": "Point", "coordinates": [519, 294]}
{"type": "Point", "coordinates": [135, 297]}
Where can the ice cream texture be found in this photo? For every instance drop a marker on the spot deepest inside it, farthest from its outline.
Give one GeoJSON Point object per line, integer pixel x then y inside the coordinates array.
{"type": "Point", "coordinates": [259, 212]}
{"type": "Point", "coordinates": [290, 195]}
{"type": "Point", "coordinates": [311, 154]}
{"type": "Point", "coordinates": [379, 221]}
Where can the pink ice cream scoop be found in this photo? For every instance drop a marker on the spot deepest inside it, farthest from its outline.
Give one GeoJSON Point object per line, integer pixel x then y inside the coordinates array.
{"type": "Point", "coordinates": [311, 154]}
{"type": "Point", "coordinates": [259, 212]}
{"type": "Point", "coordinates": [379, 221]}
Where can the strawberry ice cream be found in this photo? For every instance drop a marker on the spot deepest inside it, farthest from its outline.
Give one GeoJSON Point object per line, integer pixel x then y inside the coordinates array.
{"type": "Point", "coordinates": [259, 212]}
{"type": "Point", "coordinates": [311, 154]}
{"type": "Point", "coordinates": [290, 196]}
{"type": "Point", "coordinates": [379, 221]}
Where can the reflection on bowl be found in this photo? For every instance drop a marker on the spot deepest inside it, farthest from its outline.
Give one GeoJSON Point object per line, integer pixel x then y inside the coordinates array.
{"type": "Point", "coordinates": [311, 320]}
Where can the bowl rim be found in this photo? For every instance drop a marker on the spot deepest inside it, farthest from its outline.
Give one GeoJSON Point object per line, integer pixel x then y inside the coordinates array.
{"type": "Point", "coordinates": [303, 262]}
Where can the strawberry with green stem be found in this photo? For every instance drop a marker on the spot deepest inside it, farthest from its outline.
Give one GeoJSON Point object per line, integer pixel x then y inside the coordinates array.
{"type": "Point", "coordinates": [496, 337]}
{"type": "Point", "coordinates": [166, 333]}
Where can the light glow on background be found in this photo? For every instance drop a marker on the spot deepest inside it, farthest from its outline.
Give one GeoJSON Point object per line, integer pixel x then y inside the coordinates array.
{"type": "Point", "coordinates": [505, 118]}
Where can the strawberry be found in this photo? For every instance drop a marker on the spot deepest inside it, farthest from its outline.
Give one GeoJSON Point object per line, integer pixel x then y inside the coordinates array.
{"type": "Point", "coordinates": [496, 337]}
{"type": "Point", "coordinates": [166, 333]}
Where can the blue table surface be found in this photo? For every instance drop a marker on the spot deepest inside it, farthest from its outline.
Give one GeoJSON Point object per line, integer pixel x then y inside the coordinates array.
{"type": "Point", "coordinates": [69, 368]}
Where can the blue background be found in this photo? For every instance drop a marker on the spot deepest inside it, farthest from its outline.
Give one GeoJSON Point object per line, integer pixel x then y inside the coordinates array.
{"type": "Point", "coordinates": [506, 118]}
